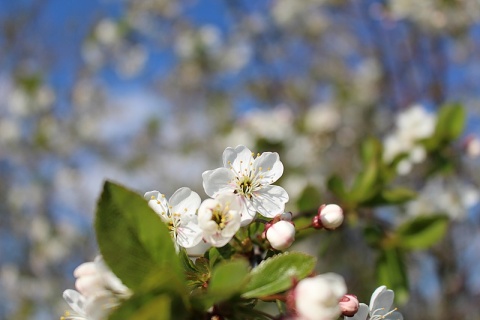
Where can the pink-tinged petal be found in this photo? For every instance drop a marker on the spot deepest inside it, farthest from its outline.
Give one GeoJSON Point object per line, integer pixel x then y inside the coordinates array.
{"type": "Point", "coordinates": [185, 202]}
{"type": "Point", "coordinates": [189, 235]}
{"type": "Point", "coordinates": [75, 300]}
{"type": "Point", "coordinates": [269, 167]}
{"type": "Point", "coordinates": [270, 201]}
{"type": "Point", "coordinates": [361, 314]}
{"type": "Point", "coordinates": [381, 301]}
{"type": "Point", "coordinates": [218, 181]}
{"type": "Point", "coordinates": [238, 159]}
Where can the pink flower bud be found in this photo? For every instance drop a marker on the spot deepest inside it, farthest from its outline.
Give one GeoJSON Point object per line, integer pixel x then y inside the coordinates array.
{"type": "Point", "coordinates": [349, 305]}
{"type": "Point", "coordinates": [472, 146]}
{"type": "Point", "coordinates": [281, 235]}
{"type": "Point", "coordinates": [329, 216]}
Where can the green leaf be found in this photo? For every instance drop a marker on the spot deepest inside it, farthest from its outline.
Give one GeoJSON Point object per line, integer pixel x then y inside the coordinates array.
{"type": "Point", "coordinates": [391, 272]}
{"type": "Point", "coordinates": [422, 232]}
{"type": "Point", "coordinates": [276, 274]}
{"type": "Point", "coordinates": [450, 123]}
{"type": "Point", "coordinates": [309, 199]}
{"type": "Point", "coordinates": [398, 195]}
{"type": "Point", "coordinates": [364, 186]}
{"type": "Point", "coordinates": [371, 150]}
{"type": "Point", "coordinates": [161, 296]}
{"type": "Point", "coordinates": [336, 186]}
{"type": "Point", "coordinates": [132, 238]}
{"type": "Point", "coordinates": [228, 278]}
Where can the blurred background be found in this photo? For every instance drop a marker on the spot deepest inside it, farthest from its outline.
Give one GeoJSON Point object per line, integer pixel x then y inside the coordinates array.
{"type": "Point", "coordinates": [149, 93]}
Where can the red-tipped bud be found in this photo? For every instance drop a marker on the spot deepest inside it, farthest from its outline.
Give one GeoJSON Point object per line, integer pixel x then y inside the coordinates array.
{"type": "Point", "coordinates": [329, 217]}
{"type": "Point", "coordinates": [349, 305]}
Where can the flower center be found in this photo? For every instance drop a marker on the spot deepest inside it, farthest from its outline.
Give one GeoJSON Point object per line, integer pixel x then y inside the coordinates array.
{"type": "Point", "coordinates": [221, 216]}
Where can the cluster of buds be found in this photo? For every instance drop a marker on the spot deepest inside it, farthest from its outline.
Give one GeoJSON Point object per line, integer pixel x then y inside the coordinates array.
{"type": "Point", "coordinates": [329, 217]}
{"type": "Point", "coordinates": [280, 231]}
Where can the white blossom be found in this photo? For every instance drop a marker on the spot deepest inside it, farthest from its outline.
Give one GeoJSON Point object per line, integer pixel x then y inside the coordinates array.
{"type": "Point", "coordinates": [250, 178]}
{"type": "Point", "coordinates": [179, 213]}
{"type": "Point", "coordinates": [219, 219]}
{"type": "Point", "coordinates": [99, 291]}
{"type": "Point", "coordinates": [412, 126]}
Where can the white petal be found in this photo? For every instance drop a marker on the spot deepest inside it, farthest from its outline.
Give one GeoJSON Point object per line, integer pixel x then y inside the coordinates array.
{"type": "Point", "coordinates": [217, 240]}
{"type": "Point", "coordinates": [158, 203]}
{"type": "Point", "coordinates": [270, 201]}
{"type": "Point", "coordinates": [75, 300]}
{"type": "Point", "coordinates": [361, 314]}
{"type": "Point", "coordinates": [189, 235]}
{"type": "Point", "coordinates": [272, 167]}
{"type": "Point", "coordinates": [185, 202]}
{"type": "Point", "coordinates": [85, 269]}
{"type": "Point", "coordinates": [394, 316]}
{"type": "Point", "coordinates": [199, 249]}
{"type": "Point", "coordinates": [382, 300]}
{"type": "Point", "coordinates": [238, 158]}
{"type": "Point", "coordinates": [89, 285]}
{"type": "Point", "coordinates": [97, 307]}
{"type": "Point", "coordinates": [232, 225]}
{"type": "Point", "coordinates": [218, 181]}
{"type": "Point", "coordinates": [248, 211]}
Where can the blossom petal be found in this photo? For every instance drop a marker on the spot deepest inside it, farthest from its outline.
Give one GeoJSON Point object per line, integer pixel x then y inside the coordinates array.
{"type": "Point", "coordinates": [158, 203]}
{"type": "Point", "coordinates": [248, 211]}
{"type": "Point", "coordinates": [270, 201]}
{"type": "Point", "coordinates": [394, 316]}
{"type": "Point", "coordinates": [75, 300]}
{"type": "Point", "coordinates": [381, 301]}
{"type": "Point", "coordinates": [97, 307]}
{"type": "Point", "coordinates": [189, 235]}
{"type": "Point", "coordinates": [89, 284]}
{"type": "Point", "coordinates": [217, 240]}
{"type": "Point", "coordinates": [271, 167]}
{"type": "Point", "coordinates": [361, 314]}
{"type": "Point", "coordinates": [238, 159]}
{"type": "Point", "coordinates": [185, 202]}
{"type": "Point", "coordinates": [218, 181]}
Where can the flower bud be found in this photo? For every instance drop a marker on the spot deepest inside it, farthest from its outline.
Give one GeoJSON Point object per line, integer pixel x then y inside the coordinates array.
{"type": "Point", "coordinates": [472, 146]}
{"type": "Point", "coordinates": [281, 235]}
{"type": "Point", "coordinates": [349, 305]}
{"type": "Point", "coordinates": [329, 216]}
{"type": "Point", "coordinates": [317, 298]}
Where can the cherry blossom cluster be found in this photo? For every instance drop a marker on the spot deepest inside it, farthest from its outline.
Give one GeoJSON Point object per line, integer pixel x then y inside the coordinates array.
{"type": "Point", "coordinates": [239, 190]}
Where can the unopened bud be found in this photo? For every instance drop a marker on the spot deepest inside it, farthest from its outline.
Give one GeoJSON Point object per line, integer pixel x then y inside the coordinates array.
{"type": "Point", "coordinates": [329, 216]}
{"type": "Point", "coordinates": [317, 298]}
{"type": "Point", "coordinates": [281, 234]}
{"type": "Point", "coordinates": [472, 146]}
{"type": "Point", "coordinates": [349, 305]}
